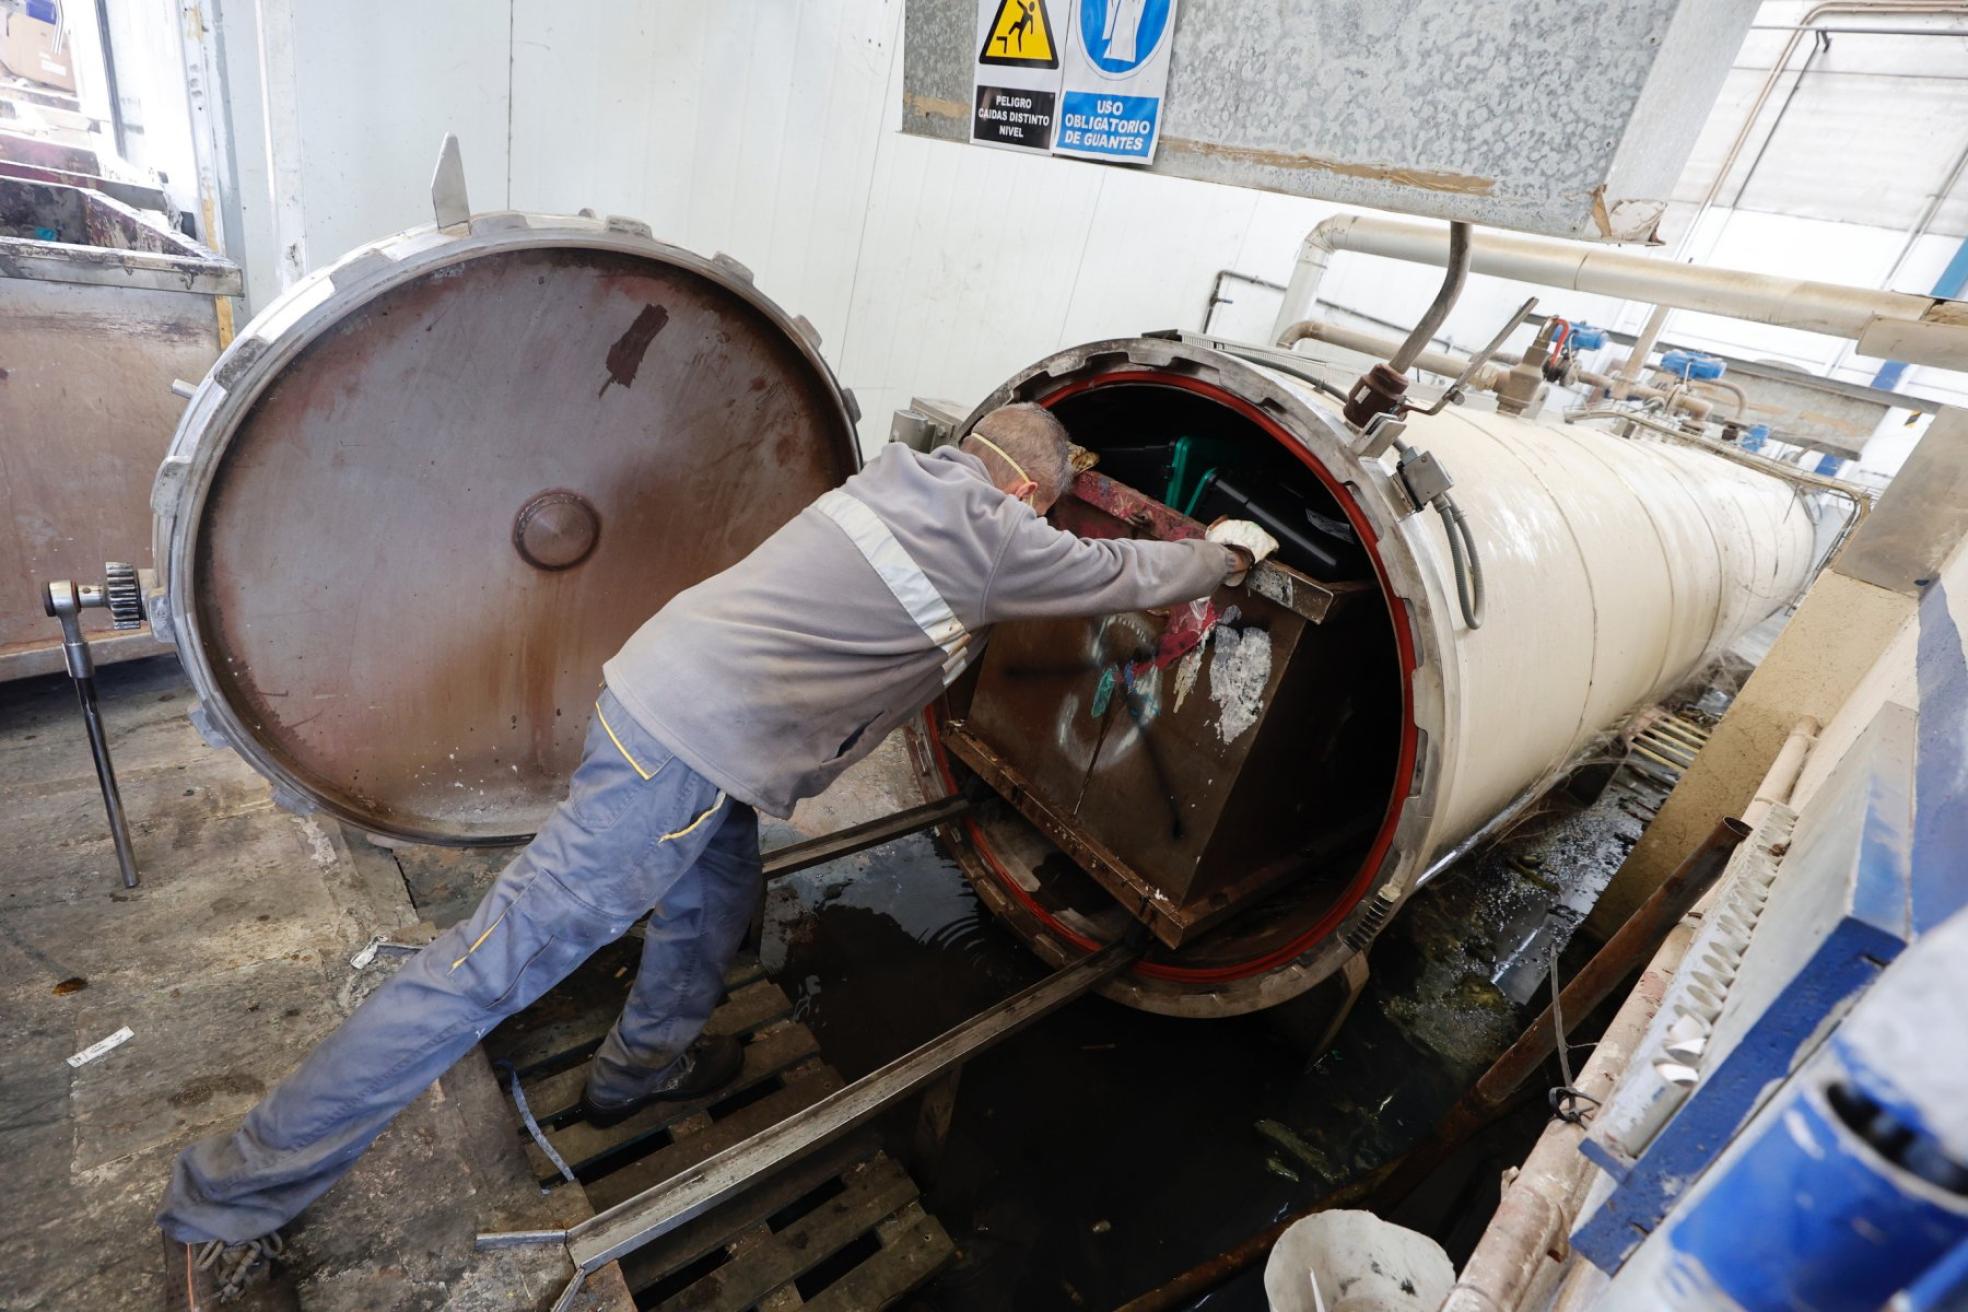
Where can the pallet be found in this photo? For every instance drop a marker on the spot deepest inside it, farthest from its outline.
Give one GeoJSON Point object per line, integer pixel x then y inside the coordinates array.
{"type": "Point", "coordinates": [843, 1229]}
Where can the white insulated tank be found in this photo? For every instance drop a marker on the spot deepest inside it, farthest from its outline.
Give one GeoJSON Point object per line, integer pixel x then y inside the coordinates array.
{"type": "Point", "coordinates": [1614, 568]}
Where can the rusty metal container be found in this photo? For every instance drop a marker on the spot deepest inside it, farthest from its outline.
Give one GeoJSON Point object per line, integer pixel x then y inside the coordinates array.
{"type": "Point", "coordinates": [100, 309]}
{"type": "Point", "coordinates": [1174, 771]}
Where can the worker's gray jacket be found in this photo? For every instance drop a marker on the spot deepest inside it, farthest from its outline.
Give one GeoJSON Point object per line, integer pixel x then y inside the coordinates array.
{"type": "Point", "coordinates": [771, 678]}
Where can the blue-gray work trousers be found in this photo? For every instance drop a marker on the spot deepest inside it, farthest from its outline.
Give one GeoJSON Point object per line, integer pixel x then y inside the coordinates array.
{"type": "Point", "coordinates": [639, 831]}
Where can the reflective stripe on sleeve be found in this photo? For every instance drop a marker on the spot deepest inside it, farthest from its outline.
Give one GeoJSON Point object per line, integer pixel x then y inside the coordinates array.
{"type": "Point", "coordinates": [902, 576]}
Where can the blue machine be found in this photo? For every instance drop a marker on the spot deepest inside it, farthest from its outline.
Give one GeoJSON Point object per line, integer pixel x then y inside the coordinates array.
{"type": "Point", "coordinates": [1836, 915]}
{"type": "Point", "coordinates": [1754, 437]}
{"type": "Point", "coordinates": [1820, 1162]}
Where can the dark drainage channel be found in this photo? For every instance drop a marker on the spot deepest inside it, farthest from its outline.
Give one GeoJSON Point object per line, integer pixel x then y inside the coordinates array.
{"type": "Point", "coordinates": [1105, 1150]}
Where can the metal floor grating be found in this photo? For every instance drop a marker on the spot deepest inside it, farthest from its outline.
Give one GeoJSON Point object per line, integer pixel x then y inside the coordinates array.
{"type": "Point", "coordinates": [841, 1230]}
{"type": "Point", "coordinates": [1669, 741]}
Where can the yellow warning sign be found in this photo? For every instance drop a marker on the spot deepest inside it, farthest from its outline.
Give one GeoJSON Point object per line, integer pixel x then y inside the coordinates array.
{"type": "Point", "coordinates": [1020, 36]}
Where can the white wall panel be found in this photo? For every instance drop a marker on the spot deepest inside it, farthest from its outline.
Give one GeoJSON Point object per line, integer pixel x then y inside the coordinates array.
{"type": "Point", "coordinates": [239, 39]}
{"type": "Point", "coordinates": [594, 123]}
{"type": "Point", "coordinates": [767, 129]}
{"type": "Point", "coordinates": [749, 128]}
{"type": "Point", "coordinates": [380, 85]}
{"type": "Point", "coordinates": [1153, 247]}
{"type": "Point", "coordinates": [966, 273]}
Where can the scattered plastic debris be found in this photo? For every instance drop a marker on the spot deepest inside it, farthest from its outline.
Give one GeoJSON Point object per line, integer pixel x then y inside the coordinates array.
{"type": "Point", "coordinates": [101, 1046]}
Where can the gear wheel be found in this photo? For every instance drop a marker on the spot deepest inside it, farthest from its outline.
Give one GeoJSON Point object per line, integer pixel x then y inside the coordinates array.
{"type": "Point", "coordinates": [124, 595]}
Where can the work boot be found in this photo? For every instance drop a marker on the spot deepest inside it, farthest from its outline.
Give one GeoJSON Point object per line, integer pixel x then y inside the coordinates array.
{"type": "Point", "coordinates": [244, 1277]}
{"type": "Point", "coordinates": [705, 1067]}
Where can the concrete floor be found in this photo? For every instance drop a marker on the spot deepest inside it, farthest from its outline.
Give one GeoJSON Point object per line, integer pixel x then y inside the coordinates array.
{"type": "Point", "coordinates": [232, 959]}
{"type": "Point", "coordinates": [229, 961]}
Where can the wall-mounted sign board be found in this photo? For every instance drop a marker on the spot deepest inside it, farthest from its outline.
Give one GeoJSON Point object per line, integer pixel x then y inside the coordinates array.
{"type": "Point", "coordinates": [1015, 92]}
{"type": "Point", "coordinates": [1073, 77]}
{"type": "Point", "coordinates": [1547, 116]}
{"type": "Point", "coordinates": [1117, 65]}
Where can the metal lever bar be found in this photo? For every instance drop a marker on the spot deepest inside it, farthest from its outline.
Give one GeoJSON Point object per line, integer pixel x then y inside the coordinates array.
{"type": "Point", "coordinates": [66, 601]}
{"type": "Point", "coordinates": [656, 1211]}
{"type": "Point", "coordinates": [1477, 361]}
{"type": "Point", "coordinates": [795, 857]}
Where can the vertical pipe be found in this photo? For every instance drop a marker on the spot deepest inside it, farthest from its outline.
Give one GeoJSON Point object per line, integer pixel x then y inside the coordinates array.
{"type": "Point", "coordinates": [109, 78]}
{"type": "Point", "coordinates": [119, 829]}
{"type": "Point", "coordinates": [64, 601]}
{"type": "Point", "coordinates": [1781, 777]}
{"type": "Point", "coordinates": [1453, 278]}
{"type": "Point", "coordinates": [280, 101]}
{"type": "Point", "coordinates": [1643, 346]}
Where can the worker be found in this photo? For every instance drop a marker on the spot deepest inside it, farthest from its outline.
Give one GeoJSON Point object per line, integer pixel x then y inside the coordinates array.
{"type": "Point", "coordinates": [746, 693]}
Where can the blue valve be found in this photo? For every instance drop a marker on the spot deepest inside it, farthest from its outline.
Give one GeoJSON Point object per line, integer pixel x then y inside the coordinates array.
{"type": "Point", "coordinates": [1586, 337]}
{"type": "Point", "coordinates": [1693, 365]}
{"type": "Point", "coordinates": [1754, 437]}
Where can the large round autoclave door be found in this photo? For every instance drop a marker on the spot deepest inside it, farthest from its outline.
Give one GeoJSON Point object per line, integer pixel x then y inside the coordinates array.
{"type": "Point", "coordinates": [398, 568]}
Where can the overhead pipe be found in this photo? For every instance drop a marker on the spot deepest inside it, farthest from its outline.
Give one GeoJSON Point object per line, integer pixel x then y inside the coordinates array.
{"type": "Point", "coordinates": [1867, 8]}
{"type": "Point", "coordinates": [1451, 364]}
{"type": "Point", "coordinates": [1902, 325]}
{"type": "Point", "coordinates": [1858, 496]}
{"type": "Point", "coordinates": [1860, 31]}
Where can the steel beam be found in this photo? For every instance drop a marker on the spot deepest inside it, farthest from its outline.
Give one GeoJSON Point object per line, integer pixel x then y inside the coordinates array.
{"type": "Point", "coordinates": [656, 1211]}
{"type": "Point", "coordinates": [796, 857]}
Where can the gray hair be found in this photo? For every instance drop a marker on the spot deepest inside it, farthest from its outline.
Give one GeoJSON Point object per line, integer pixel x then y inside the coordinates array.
{"type": "Point", "coordinates": [1030, 435]}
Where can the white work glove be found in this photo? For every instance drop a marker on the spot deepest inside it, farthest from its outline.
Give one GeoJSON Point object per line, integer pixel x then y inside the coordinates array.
{"type": "Point", "coordinates": [1250, 542]}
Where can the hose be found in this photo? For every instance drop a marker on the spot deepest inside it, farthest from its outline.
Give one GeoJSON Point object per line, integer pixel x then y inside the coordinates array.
{"type": "Point", "coordinates": [1859, 499]}
{"type": "Point", "coordinates": [1462, 542]}
{"type": "Point", "coordinates": [1742, 401]}
{"type": "Point", "coordinates": [1270, 360]}
{"type": "Point", "coordinates": [1424, 330]}
{"type": "Point", "coordinates": [1468, 564]}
